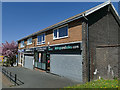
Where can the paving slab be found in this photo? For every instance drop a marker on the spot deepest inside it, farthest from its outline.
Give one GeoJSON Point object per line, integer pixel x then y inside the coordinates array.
{"type": "Point", "coordinates": [6, 83]}
{"type": "Point", "coordinates": [38, 79]}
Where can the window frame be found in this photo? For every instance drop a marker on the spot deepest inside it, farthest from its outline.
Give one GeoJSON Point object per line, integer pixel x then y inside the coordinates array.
{"type": "Point", "coordinates": [22, 44]}
{"type": "Point", "coordinates": [58, 32]}
{"type": "Point", "coordinates": [27, 41]}
{"type": "Point", "coordinates": [42, 42]}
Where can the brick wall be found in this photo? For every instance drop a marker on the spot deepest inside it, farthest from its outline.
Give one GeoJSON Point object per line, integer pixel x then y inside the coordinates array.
{"type": "Point", "coordinates": [107, 62]}
{"type": "Point", "coordinates": [74, 34]}
{"type": "Point", "coordinates": [103, 30]}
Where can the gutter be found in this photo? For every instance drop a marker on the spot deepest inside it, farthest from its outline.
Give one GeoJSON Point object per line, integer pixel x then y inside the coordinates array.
{"type": "Point", "coordinates": [69, 19]}
{"type": "Point", "coordinates": [46, 29]}
{"type": "Point", "coordinates": [88, 53]}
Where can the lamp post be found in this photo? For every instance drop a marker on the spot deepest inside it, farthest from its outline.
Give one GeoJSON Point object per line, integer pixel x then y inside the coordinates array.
{"type": "Point", "coordinates": [47, 57]}
{"type": "Point", "coordinates": [22, 54]}
{"type": "Point", "coordinates": [33, 41]}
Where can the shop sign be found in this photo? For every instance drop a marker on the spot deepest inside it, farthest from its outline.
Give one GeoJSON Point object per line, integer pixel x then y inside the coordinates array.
{"type": "Point", "coordinates": [29, 50]}
{"type": "Point", "coordinates": [20, 50]}
{"type": "Point", "coordinates": [64, 47]}
{"type": "Point", "coordinates": [41, 48]}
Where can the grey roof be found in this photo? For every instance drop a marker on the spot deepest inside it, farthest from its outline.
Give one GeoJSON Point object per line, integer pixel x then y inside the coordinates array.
{"type": "Point", "coordinates": [86, 13]}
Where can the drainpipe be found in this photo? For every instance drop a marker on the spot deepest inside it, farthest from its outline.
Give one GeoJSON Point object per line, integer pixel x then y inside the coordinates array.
{"type": "Point", "coordinates": [34, 50]}
{"type": "Point", "coordinates": [47, 57]}
{"type": "Point", "coordinates": [88, 53]}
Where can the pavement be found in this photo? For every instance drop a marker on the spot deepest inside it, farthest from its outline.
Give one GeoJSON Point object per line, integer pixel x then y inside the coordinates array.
{"type": "Point", "coordinates": [6, 83]}
{"type": "Point", "coordinates": [38, 79]}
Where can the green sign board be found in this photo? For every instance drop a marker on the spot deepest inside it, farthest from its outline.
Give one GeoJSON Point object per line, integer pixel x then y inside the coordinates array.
{"type": "Point", "coordinates": [64, 47]}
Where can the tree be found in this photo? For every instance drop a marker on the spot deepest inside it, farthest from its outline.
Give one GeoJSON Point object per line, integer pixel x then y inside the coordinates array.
{"type": "Point", "coordinates": [10, 50]}
{"type": "Point", "coordinates": [0, 51]}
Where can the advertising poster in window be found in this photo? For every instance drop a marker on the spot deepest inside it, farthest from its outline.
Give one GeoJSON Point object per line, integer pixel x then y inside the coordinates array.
{"type": "Point", "coordinates": [39, 57]}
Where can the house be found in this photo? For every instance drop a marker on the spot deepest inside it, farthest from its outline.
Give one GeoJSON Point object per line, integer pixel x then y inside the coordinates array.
{"type": "Point", "coordinates": [83, 47]}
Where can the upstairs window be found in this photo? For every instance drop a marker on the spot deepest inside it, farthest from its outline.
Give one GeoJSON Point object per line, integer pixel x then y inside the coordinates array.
{"type": "Point", "coordinates": [60, 32]}
{"type": "Point", "coordinates": [41, 39]}
{"type": "Point", "coordinates": [55, 33]}
{"type": "Point", "coordinates": [29, 41]}
{"type": "Point", "coordinates": [22, 44]}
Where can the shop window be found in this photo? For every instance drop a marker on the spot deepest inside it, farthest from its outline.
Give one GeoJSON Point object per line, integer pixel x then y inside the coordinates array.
{"type": "Point", "coordinates": [60, 32]}
{"type": "Point", "coordinates": [29, 41]}
{"type": "Point", "coordinates": [39, 58]}
{"type": "Point", "coordinates": [36, 56]}
{"type": "Point", "coordinates": [22, 44]}
{"type": "Point", "coordinates": [42, 58]}
{"type": "Point", "coordinates": [41, 39]}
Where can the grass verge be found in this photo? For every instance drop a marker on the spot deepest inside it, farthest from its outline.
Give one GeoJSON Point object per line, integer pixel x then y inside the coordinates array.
{"type": "Point", "coordinates": [101, 83]}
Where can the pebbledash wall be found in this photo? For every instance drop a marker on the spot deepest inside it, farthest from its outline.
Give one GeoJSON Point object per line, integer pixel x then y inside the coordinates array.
{"type": "Point", "coordinates": [87, 53]}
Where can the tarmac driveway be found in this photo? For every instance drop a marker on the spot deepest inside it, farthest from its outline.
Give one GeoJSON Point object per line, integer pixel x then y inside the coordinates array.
{"type": "Point", "coordinates": [37, 79]}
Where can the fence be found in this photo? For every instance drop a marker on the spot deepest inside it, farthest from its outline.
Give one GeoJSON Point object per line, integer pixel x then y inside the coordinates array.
{"type": "Point", "coordinates": [12, 77]}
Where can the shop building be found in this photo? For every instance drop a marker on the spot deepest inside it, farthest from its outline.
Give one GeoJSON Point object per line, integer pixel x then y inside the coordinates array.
{"type": "Point", "coordinates": [71, 47]}
{"type": "Point", "coordinates": [41, 58]}
{"type": "Point", "coordinates": [20, 57]}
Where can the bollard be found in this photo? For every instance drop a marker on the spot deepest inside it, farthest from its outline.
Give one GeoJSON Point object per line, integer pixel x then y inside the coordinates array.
{"type": "Point", "coordinates": [7, 74]}
{"type": "Point", "coordinates": [15, 78]}
{"type": "Point", "coordinates": [10, 76]}
{"type": "Point", "coordinates": [4, 71]}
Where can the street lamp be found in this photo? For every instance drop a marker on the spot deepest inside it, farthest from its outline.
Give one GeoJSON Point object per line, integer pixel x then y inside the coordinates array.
{"type": "Point", "coordinates": [33, 41]}
{"type": "Point", "coordinates": [47, 57]}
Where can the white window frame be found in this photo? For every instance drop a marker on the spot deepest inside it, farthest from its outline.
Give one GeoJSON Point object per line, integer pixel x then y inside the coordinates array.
{"type": "Point", "coordinates": [22, 44]}
{"type": "Point", "coordinates": [43, 42]}
{"type": "Point", "coordinates": [58, 33]}
{"type": "Point", "coordinates": [28, 41]}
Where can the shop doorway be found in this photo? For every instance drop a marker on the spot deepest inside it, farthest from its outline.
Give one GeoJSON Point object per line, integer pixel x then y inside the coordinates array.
{"type": "Point", "coordinates": [48, 62]}
{"type": "Point", "coordinates": [40, 60]}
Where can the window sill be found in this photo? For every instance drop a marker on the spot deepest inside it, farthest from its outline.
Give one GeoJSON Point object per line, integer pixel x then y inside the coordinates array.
{"type": "Point", "coordinates": [41, 44]}
{"type": "Point", "coordinates": [60, 38]}
{"type": "Point", "coordinates": [21, 47]}
{"type": "Point", "coordinates": [29, 44]}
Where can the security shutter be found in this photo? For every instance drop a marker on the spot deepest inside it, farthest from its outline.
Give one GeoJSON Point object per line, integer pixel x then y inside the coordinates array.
{"type": "Point", "coordinates": [29, 62]}
{"type": "Point", "coordinates": [67, 65]}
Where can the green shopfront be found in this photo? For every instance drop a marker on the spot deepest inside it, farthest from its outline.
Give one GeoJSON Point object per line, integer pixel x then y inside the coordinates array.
{"type": "Point", "coordinates": [66, 60]}
{"type": "Point", "coordinates": [40, 58]}
{"type": "Point", "coordinates": [63, 59]}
